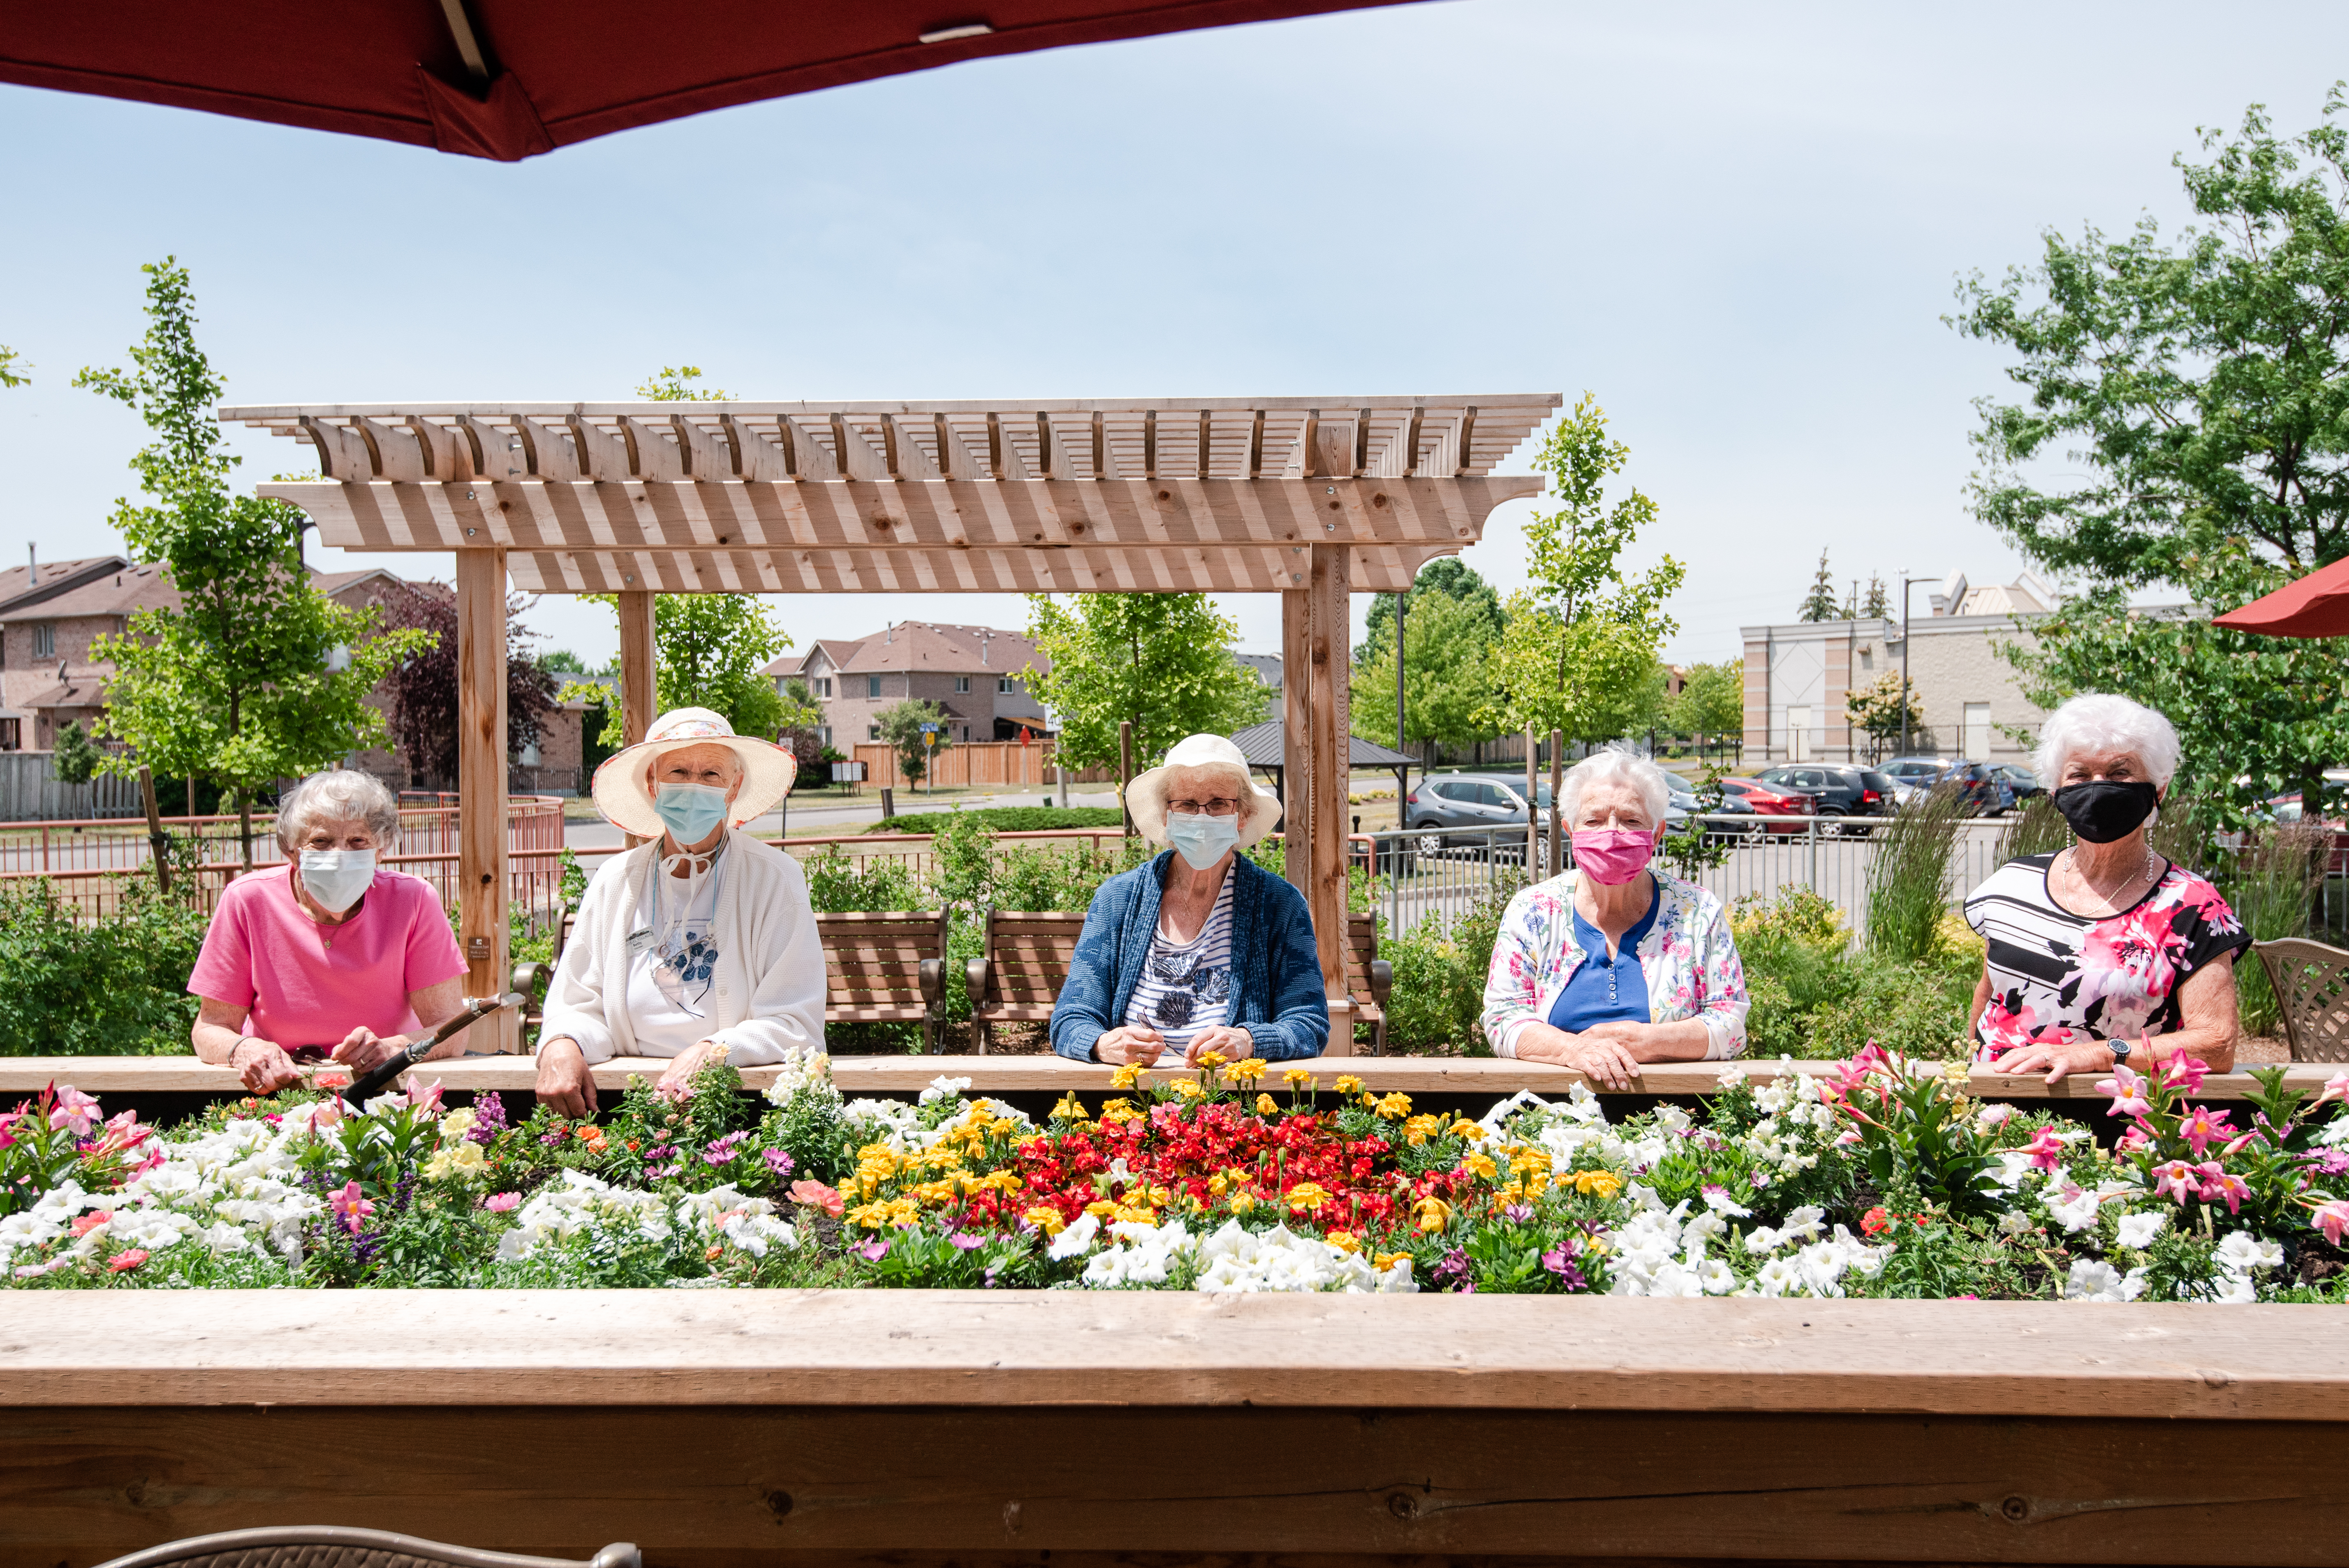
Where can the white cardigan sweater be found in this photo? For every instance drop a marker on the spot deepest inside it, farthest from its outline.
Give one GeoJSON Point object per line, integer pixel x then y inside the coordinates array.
{"type": "Point", "coordinates": [770, 980]}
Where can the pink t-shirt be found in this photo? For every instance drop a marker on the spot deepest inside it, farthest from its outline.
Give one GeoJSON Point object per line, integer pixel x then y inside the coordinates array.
{"type": "Point", "coordinates": [311, 984]}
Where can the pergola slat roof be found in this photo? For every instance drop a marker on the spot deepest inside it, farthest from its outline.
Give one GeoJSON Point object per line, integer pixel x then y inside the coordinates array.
{"type": "Point", "coordinates": [1312, 497]}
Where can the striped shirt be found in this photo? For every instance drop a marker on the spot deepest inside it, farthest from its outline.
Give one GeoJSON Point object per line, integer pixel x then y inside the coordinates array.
{"type": "Point", "coordinates": [1188, 986]}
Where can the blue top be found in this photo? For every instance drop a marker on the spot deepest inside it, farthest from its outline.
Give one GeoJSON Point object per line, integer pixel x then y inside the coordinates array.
{"type": "Point", "coordinates": [1604, 992]}
{"type": "Point", "coordinates": [1276, 975]}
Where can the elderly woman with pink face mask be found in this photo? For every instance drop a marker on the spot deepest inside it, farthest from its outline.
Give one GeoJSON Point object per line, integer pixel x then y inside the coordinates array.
{"type": "Point", "coordinates": [1615, 962]}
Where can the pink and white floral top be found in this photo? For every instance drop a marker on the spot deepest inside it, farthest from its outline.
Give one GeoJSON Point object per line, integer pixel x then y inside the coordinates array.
{"type": "Point", "coordinates": [2112, 977]}
{"type": "Point", "coordinates": [1688, 956]}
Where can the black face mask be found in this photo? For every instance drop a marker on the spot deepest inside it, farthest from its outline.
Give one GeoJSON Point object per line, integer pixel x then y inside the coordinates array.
{"type": "Point", "coordinates": [2103, 811]}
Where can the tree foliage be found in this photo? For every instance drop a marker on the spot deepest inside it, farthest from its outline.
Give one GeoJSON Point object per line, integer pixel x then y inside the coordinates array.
{"type": "Point", "coordinates": [1448, 645]}
{"type": "Point", "coordinates": [901, 726]}
{"type": "Point", "coordinates": [674, 384]}
{"type": "Point", "coordinates": [423, 688]}
{"type": "Point", "coordinates": [12, 368]}
{"type": "Point", "coordinates": [76, 757]}
{"type": "Point", "coordinates": [1710, 701]}
{"type": "Point", "coordinates": [1876, 709]}
{"type": "Point", "coordinates": [1819, 604]}
{"type": "Point", "coordinates": [1447, 576]}
{"type": "Point", "coordinates": [1162, 662]}
{"type": "Point", "coordinates": [708, 651]}
{"type": "Point", "coordinates": [1877, 606]}
{"type": "Point", "coordinates": [2196, 398]}
{"type": "Point", "coordinates": [240, 683]}
{"type": "Point", "coordinates": [1579, 646]}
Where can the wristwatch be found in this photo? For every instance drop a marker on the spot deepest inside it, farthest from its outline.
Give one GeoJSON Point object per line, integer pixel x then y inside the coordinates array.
{"type": "Point", "coordinates": [2120, 1049]}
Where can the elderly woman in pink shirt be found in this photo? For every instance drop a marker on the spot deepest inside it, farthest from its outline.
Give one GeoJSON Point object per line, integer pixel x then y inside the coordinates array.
{"type": "Point", "coordinates": [327, 955]}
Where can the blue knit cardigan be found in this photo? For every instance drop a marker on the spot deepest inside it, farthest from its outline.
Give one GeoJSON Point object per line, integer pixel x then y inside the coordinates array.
{"type": "Point", "coordinates": [1277, 993]}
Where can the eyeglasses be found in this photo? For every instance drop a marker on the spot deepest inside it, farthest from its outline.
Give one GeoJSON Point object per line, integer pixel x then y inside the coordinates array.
{"type": "Point", "coordinates": [1221, 806]}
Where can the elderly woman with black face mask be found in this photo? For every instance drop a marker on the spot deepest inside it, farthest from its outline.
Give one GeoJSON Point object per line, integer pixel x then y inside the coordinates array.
{"type": "Point", "coordinates": [2104, 952]}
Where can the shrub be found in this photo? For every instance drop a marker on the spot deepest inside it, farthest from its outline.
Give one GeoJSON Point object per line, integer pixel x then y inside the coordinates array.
{"type": "Point", "coordinates": [2272, 885]}
{"type": "Point", "coordinates": [117, 986]}
{"type": "Point", "coordinates": [1008, 819]}
{"type": "Point", "coordinates": [1439, 977]}
{"type": "Point", "coordinates": [1908, 882]}
{"type": "Point", "coordinates": [1814, 995]}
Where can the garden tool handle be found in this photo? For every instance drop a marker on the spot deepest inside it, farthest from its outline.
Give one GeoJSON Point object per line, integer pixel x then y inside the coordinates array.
{"type": "Point", "coordinates": [475, 1009]}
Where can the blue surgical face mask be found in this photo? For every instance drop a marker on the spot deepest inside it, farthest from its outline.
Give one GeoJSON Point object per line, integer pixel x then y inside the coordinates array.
{"type": "Point", "coordinates": [691, 811]}
{"type": "Point", "coordinates": [1203, 840]}
{"type": "Point", "coordinates": [336, 878]}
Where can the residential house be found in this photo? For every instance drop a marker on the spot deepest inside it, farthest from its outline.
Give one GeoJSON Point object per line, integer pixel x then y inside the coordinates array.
{"type": "Point", "coordinates": [975, 673]}
{"type": "Point", "coordinates": [1799, 676]}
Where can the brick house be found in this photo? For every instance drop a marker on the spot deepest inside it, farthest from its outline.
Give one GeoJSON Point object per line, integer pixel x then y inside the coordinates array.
{"type": "Point", "coordinates": [974, 673]}
{"type": "Point", "coordinates": [49, 621]}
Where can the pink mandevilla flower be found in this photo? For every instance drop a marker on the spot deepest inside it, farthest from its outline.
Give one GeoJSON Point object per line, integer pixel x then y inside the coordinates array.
{"type": "Point", "coordinates": [2333, 1218]}
{"type": "Point", "coordinates": [2047, 1150]}
{"type": "Point", "coordinates": [2201, 1128]}
{"type": "Point", "coordinates": [2177, 1179]}
{"type": "Point", "coordinates": [2128, 1090]}
{"type": "Point", "coordinates": [74, 1110]}
{"type": "Point", "coordinates": [2185, 1074]}
{"type": "Point", "coordinates": [2133, 1138]}
{"type": "Point", "coordinates": [350, 1206]}
{"type": "Point", "coordinates": [2216, 1182]}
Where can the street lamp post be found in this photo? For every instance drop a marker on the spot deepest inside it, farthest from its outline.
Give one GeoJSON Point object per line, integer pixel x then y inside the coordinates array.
{"type": "Point", "coordinates": [1905, 585]}
{"type": "Point", "coordinates": [1404, 785]}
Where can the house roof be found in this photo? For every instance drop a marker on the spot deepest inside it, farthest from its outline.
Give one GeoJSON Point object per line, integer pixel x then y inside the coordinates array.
{"type": "Point", "coordinates": [1266, 666]}
{"type": "Point", "coordinates": [82, 691]}
{"type": "Point", "coordinates": [117, 592]}
{"type": "Point", "coordinates": [937, 647]}
{"type": "Point", "coordinates": [18, 591]}
{"type": "Point", "coordinates": [1265, 746]}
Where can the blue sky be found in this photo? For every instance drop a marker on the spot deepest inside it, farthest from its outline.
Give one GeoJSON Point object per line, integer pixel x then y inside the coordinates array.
{"type": "Point", "coordinates": [1737, 225]}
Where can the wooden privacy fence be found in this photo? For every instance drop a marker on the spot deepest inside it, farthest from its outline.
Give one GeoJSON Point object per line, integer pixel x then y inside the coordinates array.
{"type": "Point", "coordinates": [30, 790]}
{"type": "Point", "coordinates": [978, 762]}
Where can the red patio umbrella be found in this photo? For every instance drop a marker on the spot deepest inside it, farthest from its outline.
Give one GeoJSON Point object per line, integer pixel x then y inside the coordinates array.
{"type": "Point", "coordinates": [2316, 605]}
{"type": "Point", "coordinates": [508, 78]}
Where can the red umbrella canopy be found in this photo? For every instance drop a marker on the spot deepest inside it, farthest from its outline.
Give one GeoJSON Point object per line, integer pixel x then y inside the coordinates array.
{"type": "Point", "coordinates": [2316, 605]}
{"type": "Point", "coordinates": [508, 78]}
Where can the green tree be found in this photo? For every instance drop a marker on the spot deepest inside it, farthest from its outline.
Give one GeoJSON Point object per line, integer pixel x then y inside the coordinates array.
{"type": "Point", "coordinates": [2196, 398]}
{"type": "Point", "coordinates": [708, 651]}
{"type": "Point", "coordinates": [1579, 649]}
{"type": "Point", "coordinates": [901, 725]}
{"type": "Point", "coordinates": [240, 682]}
{"type": "Point", "coordinates": [76, 757]}
{"type": "Point", "coordinates": [1448, 644]}
{"type": "Point", "coordinates": [673, 384]}
{"type": "Point", "coordinates": [1447, 576]}
{"type": "Point", "coordinates": [1876, 708]}
{"type": "Point", "coordinates": [1162, 662]}
{"type": "Point", "coordinates": [1879, 602]}
{"type": "Point", "coordinates": [9, 375]}
{"type": "Point", "coordinates": [563, 662]}
{"type": "Point", "coordinates": [1710, 701]}
{"type": "Point", "coordinates": [1819, 604]}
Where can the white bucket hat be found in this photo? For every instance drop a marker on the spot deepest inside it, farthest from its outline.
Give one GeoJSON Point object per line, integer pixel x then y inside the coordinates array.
{"type": "Point", "coordinates": [1146, 796]}
{"type": "Point", "coordinates": [621, 792]}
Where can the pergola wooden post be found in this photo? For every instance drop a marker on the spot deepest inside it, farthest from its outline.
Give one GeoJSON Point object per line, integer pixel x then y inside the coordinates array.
{"type": "Point", "coordinates": [1314, 498]}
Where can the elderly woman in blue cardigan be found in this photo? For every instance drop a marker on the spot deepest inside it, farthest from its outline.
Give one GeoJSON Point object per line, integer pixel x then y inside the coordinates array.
{"type": "Point", "coordinates": [1202, 949]}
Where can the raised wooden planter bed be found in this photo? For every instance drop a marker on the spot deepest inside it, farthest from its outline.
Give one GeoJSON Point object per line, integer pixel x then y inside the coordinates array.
{"type": "Point", "coordinates": [930, 1428]}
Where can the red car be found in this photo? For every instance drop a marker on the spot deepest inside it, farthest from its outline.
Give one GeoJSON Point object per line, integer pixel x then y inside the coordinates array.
{"type": "Point", "coordinates": [1768, 801]}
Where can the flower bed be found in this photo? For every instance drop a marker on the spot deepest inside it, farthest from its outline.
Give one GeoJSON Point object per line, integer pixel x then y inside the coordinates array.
{"type": "Point", "coordinates": [1880, 1181]}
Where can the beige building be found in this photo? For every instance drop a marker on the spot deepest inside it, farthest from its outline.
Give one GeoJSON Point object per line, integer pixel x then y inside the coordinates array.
{"type": "Point", "coordinates": [1799, 676]}
{"type": "Point", "coordinates": [974, 673]}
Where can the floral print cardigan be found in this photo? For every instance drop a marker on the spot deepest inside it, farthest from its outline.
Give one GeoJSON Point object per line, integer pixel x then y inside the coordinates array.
{"type": "Point", "coordinates": [1688, 956]}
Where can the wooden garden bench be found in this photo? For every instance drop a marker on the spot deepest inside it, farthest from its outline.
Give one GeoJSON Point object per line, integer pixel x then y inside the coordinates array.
{"type": "Point", "coordinates": [880, 968]}
{"type": "Point", "coordinates": [2311, 986]}
{"type": "Point", "coordinates": [1369, 978]}
{"type": "Point", "coordinates": [1026, 963]}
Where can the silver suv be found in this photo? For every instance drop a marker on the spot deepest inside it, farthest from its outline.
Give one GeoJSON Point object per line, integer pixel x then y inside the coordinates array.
{"type": "Point", "coordinates": [1467, 801]}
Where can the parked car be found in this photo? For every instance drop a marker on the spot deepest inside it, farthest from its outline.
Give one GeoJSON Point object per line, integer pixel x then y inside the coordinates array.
{"type": "Point", "coordinates": [1843, 791]}
{"type": "Point", "coordinates": [1772, 802]}
{"type": "Point", "coordinates": [1986, 795]}
{"type": "Point", "coordinates": [1732, 818]}
{"type": "Point", "coordinates": [1462, 801]}
{"type": "Point", "coordinates": [2020, 781]}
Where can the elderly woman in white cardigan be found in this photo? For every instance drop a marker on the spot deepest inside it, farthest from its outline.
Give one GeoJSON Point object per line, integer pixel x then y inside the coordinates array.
{"type": "Point", "coordinates": [1615, 962]}
{"type": "Point", "coordinates": [699, 940]}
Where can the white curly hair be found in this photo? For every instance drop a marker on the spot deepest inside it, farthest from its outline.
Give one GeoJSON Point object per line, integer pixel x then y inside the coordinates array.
{"type": "Point", "coordinates": [2101, 721]}
{"type": "Point", "coordinates": [1614, 766]}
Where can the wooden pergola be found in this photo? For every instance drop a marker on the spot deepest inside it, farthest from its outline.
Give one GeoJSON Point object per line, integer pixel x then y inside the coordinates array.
{"type": "Point", "coordinates": [1311, 497]}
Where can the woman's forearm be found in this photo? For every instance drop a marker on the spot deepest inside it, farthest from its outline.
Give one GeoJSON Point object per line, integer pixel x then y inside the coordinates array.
{"type": "Point", "coordinates": [215, 1043]}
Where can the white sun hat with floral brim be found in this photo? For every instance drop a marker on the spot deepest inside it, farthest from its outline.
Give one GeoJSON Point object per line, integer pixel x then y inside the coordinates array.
{"type": "Point", "coordinates": [1146, 796]}
{"type": "Point", "coordinates": [624, 795]}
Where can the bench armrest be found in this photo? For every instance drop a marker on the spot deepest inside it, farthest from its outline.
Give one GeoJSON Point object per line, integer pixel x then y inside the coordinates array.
{"type": "Point", "coordinates": [1382, 980]}
{"type": "Point", "coordinates": [932, 976]}
{"type": "Point", "coordinates": [974, 980]}
{"type": "Point", "coordinates": [530, 979]}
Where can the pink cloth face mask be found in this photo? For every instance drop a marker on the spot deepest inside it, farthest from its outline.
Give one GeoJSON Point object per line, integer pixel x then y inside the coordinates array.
{"type": "Point", "coordinates": [1612, 856]}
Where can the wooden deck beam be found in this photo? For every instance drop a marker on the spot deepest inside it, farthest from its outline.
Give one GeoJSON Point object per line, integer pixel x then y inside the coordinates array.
{"type": "Point", "coordinates": [484, 888]}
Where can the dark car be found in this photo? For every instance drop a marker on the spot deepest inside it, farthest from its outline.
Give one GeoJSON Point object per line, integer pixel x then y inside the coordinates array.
{"type": "Point", "coordinates": [1841, 791]}
{"type": "Point", "coordinates": [1464, 801]}
{"type": "Point", "coordinates": [1986, 794]}
{"type": "Point", "coordinates": [2021, 782]}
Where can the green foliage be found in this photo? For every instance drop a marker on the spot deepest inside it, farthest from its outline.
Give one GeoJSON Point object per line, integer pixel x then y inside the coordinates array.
{"type": "Point", "coordinates": [1909, 880]}
{"type": "Point", "coordinates": [2270, 885]}
{"type": "Point", "coordinates": [837, 884]}
{"type": "Point", "coordinates": [1448, 646]}
{"type": "Point", "coordinates": [1161, 662]}
{"type": "Point", "coordinates": [234, 684]}
{"type": "Point", "coordinates": [1447, 577]}
{"type": "Point", "coordinates": [1581, 644]}
{"type": "Point", "coordinates": [901, 725]}
{"type": "Point", "coordinates": [563, 662]}
{"type": "Point", "coordinates": [1014, 818]}
{"type": "Point", "coordinates": [1819, 604]}
{"type": "Point", "coordinates": [707, 650]}
{"type": "Point", "coordinates": [1710, 701]}
{"type": "Point", "coordinates": [10, 376]}
{"type": "Point", "coordinates": [1815, 996]}
{"type": "Point", "coordinates": [1876, 708]}
{"type": "Point", "coordinates": [674, 385]}
{"type": "Point", "coordinates": [76, 757]}
{"type": "Point", "coordinates": [116, 987]}
{"type": "Point", "coordinates": [1439, 976]}
{"type": "Point", "coordinates": [2195, 401]}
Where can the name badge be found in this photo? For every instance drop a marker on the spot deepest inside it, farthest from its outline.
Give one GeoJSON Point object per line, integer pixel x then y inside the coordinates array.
{"type": "Point", "coordinates": [640, 942]}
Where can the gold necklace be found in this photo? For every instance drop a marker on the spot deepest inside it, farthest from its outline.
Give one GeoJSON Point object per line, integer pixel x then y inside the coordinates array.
{"type": "Point", "coordinates": [2072, 861]}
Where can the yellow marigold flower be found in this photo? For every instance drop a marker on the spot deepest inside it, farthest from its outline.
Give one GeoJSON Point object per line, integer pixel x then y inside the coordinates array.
{"type": "Point", "coordinates": [1307, 1195]}
{"type": "Point", "coordinates": [1101, 1208]}
{"type": "Point", "coordinates": [1127, 1074]}
{"type": "Point", "coordinates": [1046, 1220]}
{"type": "Point", "coordinates": [1509, 1192]}
{"type": "Point", "coordinates": [1523, 1159]}
{"type": "Point", "coordinates": [1139, 1213]}
{"type": "Point", "coordinates": [1348, 1084]}
{"type": "Point", "coordinates": [1468, 1130]}
{"type": "Point", "coordinates": [870, 1215]}
{"type": "Point", "coordinates": [1161, 1194]}
{"type": "Point", "coordinates": [1219, 1184]}
{"type": "Point", "coordinates": [1597, 1184]}
{"type": "Point", "coordinates": [1247, 1070]}
{"type": "Point", "coordinates": [1242, 1203]}
{"type": "Point", "coordinates": [1344, 1240]}
{"type": "Point", "coordinates": [1481, 1165]}
{"type": "Point", "coordinates": [1385, 1261]}
{"type": "Point", "coordinates": [1298, 1078]}
{"type": "Point", "coordinates": [1267, 1106]}
{"type": "Point", "coordinates": [1433, 1213]}
{"type": "Point", "coordinates": [1394, 1106]}
{"type": "Point", "coordinates": [1596, 1246]}
{"type": "Point", "coordinates": [1120, 1111]}
{"type": "Point", "coordinates": [1212, 1059]}
{"type": "Point", "coordinates": [1187, 1088]}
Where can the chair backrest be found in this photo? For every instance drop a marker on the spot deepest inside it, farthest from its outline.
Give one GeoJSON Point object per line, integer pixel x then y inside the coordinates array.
{"type": "Point", "coordinates": [874, 958]}
{"type": "Point", "coordinates": [334, 1546]}
{"type": "Point", "coordinates": [2312, 987]}
{"type": "Point", "coordinates": [1362, 946]}
{"type": "Point", "coordinates": [1028, 953]}
{"type": "Point", "coordinates": [562, 931]}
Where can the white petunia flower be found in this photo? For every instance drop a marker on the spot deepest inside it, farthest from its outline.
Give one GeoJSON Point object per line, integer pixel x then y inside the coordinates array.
{"type": "Point", "coordinates": [2137, 1230]}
